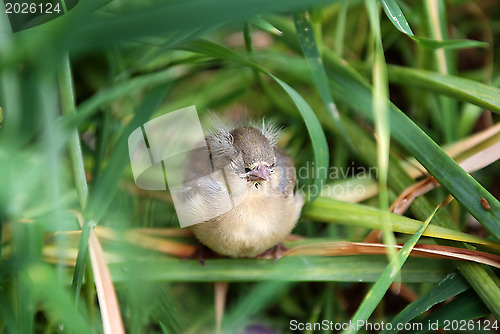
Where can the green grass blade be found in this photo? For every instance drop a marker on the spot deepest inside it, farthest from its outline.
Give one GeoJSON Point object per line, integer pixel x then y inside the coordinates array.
{"type": "Point", "coordinates": [76, 158]}
{"type": "Point", "coordinates": [75, 151]}
{"type": "Point", "coordinates": [106, 96]}
{"type": "Point", "coordinates": [307, 40]}
{"type": "Point", "coordinates": [396, 16]}
{"type": "Point", "coordinates": [485, 283]}
{"type": "Point", "coordinates": [449, 44]}
{"type": "Point", "coordinates": [380, 111]}
{"type": "Point", "coordinates": [465, 307]}
{"type": "Point", "coordinates": [333, 211]}
{"type": "Point", "coordinates": [316, 134]}
{"type": "Point", "coordinates": [340, 31]}
{"type": "Point", "coordinates": [47, 291]}
{"type": "Point", "coordinates": [487, 97]}
{"type": "Point", "coordinates": [26, 238]}
{"type": "Point", "coordinates": [358, 268]}
{"type": "Point", "coordinates": [81, 260]}
{"type": "Point", "coordinates": [394, 13]}
{"type": "Point", "coordinates": [176, 16]}
{"type": "Point", "coordinates": [10, 89]}
{"type": "Point", "coordinates": [175, 39]}
{"type": "Point", "coordinates": [451, 286]}
{"type": "Point", "coordinates": [264, 25]}
{"type": "Point", "coordinates": [107, 182]}
{"type": "Point", "coordinates": [444, 63]}
{"type": "Point", "coordinates": [378, 290]}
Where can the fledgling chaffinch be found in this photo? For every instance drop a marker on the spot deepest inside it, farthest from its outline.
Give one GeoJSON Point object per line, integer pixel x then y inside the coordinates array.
{"type": "Point", "coordinates": [251, 203]}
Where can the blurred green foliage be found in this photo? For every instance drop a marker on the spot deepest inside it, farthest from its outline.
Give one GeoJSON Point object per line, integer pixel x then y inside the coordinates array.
{"type": "Point", "coordinates": [131, 61]}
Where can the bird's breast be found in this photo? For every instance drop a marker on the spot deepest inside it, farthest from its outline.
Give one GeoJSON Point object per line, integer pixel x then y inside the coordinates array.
{"type": "Point", "coordinates": [262, 220]}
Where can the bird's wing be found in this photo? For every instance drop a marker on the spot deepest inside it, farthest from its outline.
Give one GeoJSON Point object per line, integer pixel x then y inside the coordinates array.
{"type": "Point", "coordinates": [287, 169]}
{"type": "Point", "coordinates": [198, 164]}
{"type": "Point", "coordinates": [211, 186]}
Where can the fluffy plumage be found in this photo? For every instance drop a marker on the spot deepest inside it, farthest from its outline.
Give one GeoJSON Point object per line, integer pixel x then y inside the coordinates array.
{"type": "Point", "coordinates": [251, 203]}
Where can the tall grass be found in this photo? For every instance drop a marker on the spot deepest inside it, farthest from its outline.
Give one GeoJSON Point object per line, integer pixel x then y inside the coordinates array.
{"type": "Point", "coordinates": [379, 94]}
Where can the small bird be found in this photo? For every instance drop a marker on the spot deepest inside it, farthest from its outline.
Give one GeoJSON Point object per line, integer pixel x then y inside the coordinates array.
{"type": "Point", "coordinates": [245, 185]}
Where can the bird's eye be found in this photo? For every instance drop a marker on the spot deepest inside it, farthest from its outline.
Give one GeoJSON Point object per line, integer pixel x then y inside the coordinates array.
{"type": "Point", "coordinates": [247, 170]}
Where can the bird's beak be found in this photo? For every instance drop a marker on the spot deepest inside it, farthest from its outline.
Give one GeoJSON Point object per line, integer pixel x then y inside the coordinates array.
{"type": "Point", "coordinates": [261, 172]}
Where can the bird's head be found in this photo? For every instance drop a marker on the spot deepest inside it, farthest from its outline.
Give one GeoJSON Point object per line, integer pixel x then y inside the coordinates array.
{"type": "Point", "coordinates": [257, 151]}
